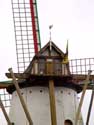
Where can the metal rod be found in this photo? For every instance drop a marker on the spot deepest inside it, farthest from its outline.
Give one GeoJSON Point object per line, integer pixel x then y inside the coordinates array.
{"type": "Point", "coordinates": [21, 98]}
{"type": "Point", "coordinates": [52, 103]}
{"type": "Point", "coordinates": [82, 97]}
{"type": "Point", "coordinates": [90, 106]}
{"type": "Point", "coordinates": [5, 113]}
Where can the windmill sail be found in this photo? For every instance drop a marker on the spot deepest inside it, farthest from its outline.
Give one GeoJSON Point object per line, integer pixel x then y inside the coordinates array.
{"type": "Point", "coordinates": [26, 28]}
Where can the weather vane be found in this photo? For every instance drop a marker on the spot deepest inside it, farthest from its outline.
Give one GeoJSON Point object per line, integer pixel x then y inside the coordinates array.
{"type": "Point", "coordinates": [50, 27]}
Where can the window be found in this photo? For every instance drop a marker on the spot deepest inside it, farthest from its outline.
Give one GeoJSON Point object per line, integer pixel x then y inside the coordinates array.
{"type": "Point", "coordinates": [41, 66]}
{"type": "Point", "coordinates": [57, 66]}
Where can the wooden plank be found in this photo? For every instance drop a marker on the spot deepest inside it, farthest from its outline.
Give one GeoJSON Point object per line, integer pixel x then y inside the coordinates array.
{"type": "Point", "coordinates": [5, 84]}
{"type": "Point", "coordinates": [27, 75]}
{"type": "Point", "coordinates": [81, 77]}
{"type": "Point", "coordinates": [18, 75]}
{"type": "Point", "coordinates": [52, 103]}
{"type": "Point", "coordinates": [49, 67]}
{"type": "Point", "coordinates": [2, 86]}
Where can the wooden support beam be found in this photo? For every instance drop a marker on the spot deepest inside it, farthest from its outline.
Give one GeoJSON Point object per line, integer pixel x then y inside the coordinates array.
{"type": "Point", "coordinates": [19, 75]}
{"type": "Point", "coordinates": [81, 77]}
{"type": "Point", "coordinates": [28, 75]}
{"type": "Point", "coordinates": [21, 98]}
{"type": "Point", "coordinates": [5, 113]}
{"type": "Point", "coordinates": [3, 86]}
{"type": "Point", "coordinates": [82, 97]}
{"type": "Point", "coordinates": [90, 106]}
{"type": "Point", "coordinates": [52, 103]}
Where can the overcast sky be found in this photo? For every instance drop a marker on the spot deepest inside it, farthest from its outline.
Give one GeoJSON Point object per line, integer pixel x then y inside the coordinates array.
{"type": "Point", "coordinates": [71, 19]}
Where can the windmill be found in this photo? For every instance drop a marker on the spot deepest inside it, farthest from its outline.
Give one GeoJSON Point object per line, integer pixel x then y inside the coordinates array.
{"type": "Point", "coordinates": [27, 38]}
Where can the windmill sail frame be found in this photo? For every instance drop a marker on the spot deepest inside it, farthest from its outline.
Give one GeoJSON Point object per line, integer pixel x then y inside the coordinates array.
{"type": "Point", "coordinates": [27, 33]}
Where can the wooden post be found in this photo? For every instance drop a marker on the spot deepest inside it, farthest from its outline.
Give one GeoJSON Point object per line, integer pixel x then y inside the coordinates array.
{"type": "Point", "coordinates": [21, 98]}
{"type": "Point", "coordinates": [5, 113]}
{"type": "Point", "coordinates": [52, 102]}
{"type": "Point", "coordinates": [90, 106]}
{"type": "Point", "coordinates": [82, 97]}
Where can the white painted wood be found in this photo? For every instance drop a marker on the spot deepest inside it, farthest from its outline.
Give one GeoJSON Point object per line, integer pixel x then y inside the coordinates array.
{"type": "Point", "coordinates": [49, 60]}
{"type": "Point", "coordinates": [37, 99]}
{"type": "Point", "coordinates": [64, 69]}
{"type": "Point", "coordinates": [36, 67]}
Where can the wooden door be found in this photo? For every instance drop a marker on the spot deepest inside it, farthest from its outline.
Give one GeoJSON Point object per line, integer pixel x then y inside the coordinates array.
{"type": "Point", "coordinates": [49, 67]}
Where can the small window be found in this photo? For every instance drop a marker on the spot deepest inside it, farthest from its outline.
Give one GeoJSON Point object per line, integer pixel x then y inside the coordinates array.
{"type": "Point", "coordinates": [41, 66]}
{"type": "Point", "coordinates": [57, 67]}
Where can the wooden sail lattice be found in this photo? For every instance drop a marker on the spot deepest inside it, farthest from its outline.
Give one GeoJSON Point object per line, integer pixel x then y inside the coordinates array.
{"type": "Point", "coordinates": [5, 97]}
{"type": "Point", "coordinates": [26, 28]}
{"type": "Point", "coordinates": [81, 66]}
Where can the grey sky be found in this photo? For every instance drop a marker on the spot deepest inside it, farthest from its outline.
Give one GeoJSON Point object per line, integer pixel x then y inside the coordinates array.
{"type": "Point", "coordinates": [71, 19]}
